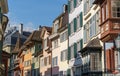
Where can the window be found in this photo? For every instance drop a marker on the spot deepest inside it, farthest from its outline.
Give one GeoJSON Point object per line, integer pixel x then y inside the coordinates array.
{"type": "Point", "coordinates": [72, 27]}
{"type": "Point", "coordinates": [92, 26]}
{"type": "Point", "coordinates": [97, 22]}
{"type": "Point", "coordinates": [48, 60]}
{"type": "Point", "coordinates": [95, 61]}
{"type": "Point", "coordinates": [86, 32]}
{"type": "Point", "coordinates": [72, 5]}
{"type": "Point", "coordinates": [103, 14]}
{"type": "Point", "coordinates": [106, 7]}
{"type": "Point", "coordinates": [42, 62]}
{"type": "Point", "coordinates": [55, 43]}
{"type": "Point", "coordinates": [64, 55]}
{"type": "Point", "coordinates": [45, 43]}
{"type": "Point", "coordinates": [27, 63]}
{"type": "Point", "coordinates": [54, 61]}
{"type": "Point", "coordinates": [86, 6]}
{"type": "Point", "coordinates": [78, 2]}
{"type": "Point", "coordinates": [72, 51]}
{"type": "Point", "coordinates": [78, 71]}
{"type": "Point", "coordinates": [115, 4]}
{"type": "Point", "coordinates": [56, 28]}
{"type": "Point", "coordinates": [91, 3]}
{"type": "Point", "coordinates": [64, 36]}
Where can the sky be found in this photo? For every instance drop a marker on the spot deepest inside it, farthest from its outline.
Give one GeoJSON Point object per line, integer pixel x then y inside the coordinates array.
{"type": "Point", "coordinates": [33, 13]}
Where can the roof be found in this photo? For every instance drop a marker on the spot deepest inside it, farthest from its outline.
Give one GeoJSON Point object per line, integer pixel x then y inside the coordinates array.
{"type": "Point", "coordinates": [5, 54]}
{"type": "Point", "coordinates": [95, 44]}
{"type": "Point", "coordinates": [19, 42]}
{"type": "Point", "coordinates": [11, 38]}
{"type": "Point", "coordinates": [49, 29]}
{"type": "Point", "coordinates": [35, 36]}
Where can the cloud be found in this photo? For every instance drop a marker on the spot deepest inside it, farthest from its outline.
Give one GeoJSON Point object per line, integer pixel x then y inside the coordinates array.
{"type": "Point", "coordinates": [14, 21]}
{"type": "Point", "coordinates": [29, 27]}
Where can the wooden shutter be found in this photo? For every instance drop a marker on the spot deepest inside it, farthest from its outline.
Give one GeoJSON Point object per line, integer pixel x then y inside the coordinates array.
{"type": "Point", "coordinates": [81, 20]}
{"type": "Point", "coordinates": [68, 72]}
{"type": "Point", "coordinates": [81, 44]}
{"type": "Point", "coordinates": [75, 24]}
{"type": "Point", "coordinates": [69, 6]}
{"type": "Point", "coordinates": [75, 3]}
{"type": "Point", "coordinates": [75, 49]}
{"type": "Point", "coordinates": [69, 53]}
{"type": "Point", "coordinates": [50, 59]}
{"type": "Point", "coordinates": [69, 30]}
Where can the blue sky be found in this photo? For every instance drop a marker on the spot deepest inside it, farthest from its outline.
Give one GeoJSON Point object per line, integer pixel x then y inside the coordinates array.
{"type": "Point", "coordinates": [33, 13]}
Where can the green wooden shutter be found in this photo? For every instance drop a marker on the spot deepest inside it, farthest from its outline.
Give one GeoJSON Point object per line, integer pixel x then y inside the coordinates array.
{"type": "Point", "coordinates": [75, 24]}
{"type": "Point", "coordinates": [75, 2]}
{"type": "Point", "coordinates": [81, 44]}
{"type": "Point", "coordinates": [69, 30]}
{"type": "Point", "coordinates": [68, 72]}
{"type": "Point", "coordinates": [69, 6]}
{"type": "Point", "coordinates": [81, 20]}
{"type": "Point", "coordinates": [75, 49]}
{"type": "Point", "coordinates": [69, 53]}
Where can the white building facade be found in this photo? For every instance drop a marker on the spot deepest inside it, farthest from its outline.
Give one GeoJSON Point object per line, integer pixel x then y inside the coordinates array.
{"type": "Point", "coordinates": [75, 39]}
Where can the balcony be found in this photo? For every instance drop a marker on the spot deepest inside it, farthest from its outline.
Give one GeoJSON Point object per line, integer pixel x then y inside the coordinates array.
{"type": "Point", "coordinates": [109, 29]}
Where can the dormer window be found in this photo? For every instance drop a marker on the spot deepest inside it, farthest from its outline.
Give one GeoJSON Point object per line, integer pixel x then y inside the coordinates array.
{"type": "Point", "coordinates": [55, 28]}
{"type": "Point", "coordinates": [45, 43]}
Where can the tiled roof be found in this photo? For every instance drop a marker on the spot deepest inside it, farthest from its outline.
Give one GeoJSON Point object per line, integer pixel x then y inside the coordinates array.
{"type": "Point", "coordinates": [35, 36]}
{"type": "Point", "coordinates": [49, 29]}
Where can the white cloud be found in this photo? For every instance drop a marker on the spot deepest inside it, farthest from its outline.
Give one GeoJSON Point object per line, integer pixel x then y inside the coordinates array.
{"type": "Point", "coordinates": [14, 21]}
{"type": "Point", "coordinates": [29, 27]}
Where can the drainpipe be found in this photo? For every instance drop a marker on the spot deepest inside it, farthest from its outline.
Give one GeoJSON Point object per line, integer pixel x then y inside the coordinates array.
{"type": "Point", "coordinates": [51, 62]}
{"type": "Point", "coordinates": [105, 68]}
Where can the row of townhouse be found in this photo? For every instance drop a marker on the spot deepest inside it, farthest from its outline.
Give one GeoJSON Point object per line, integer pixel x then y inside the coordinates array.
{"type": "Point", "coordinates": [3, 24]}
{"type": "Point", "coordinates": [81, 42]}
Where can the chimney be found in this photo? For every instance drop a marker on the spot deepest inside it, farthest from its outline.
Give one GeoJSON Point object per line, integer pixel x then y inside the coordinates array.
{"type": "Point", "coordinates": [65, 8]}
{"type": "Point", "coordinates": [40, 27]}
{"type": "Point", "coordinates": [21, 28]}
